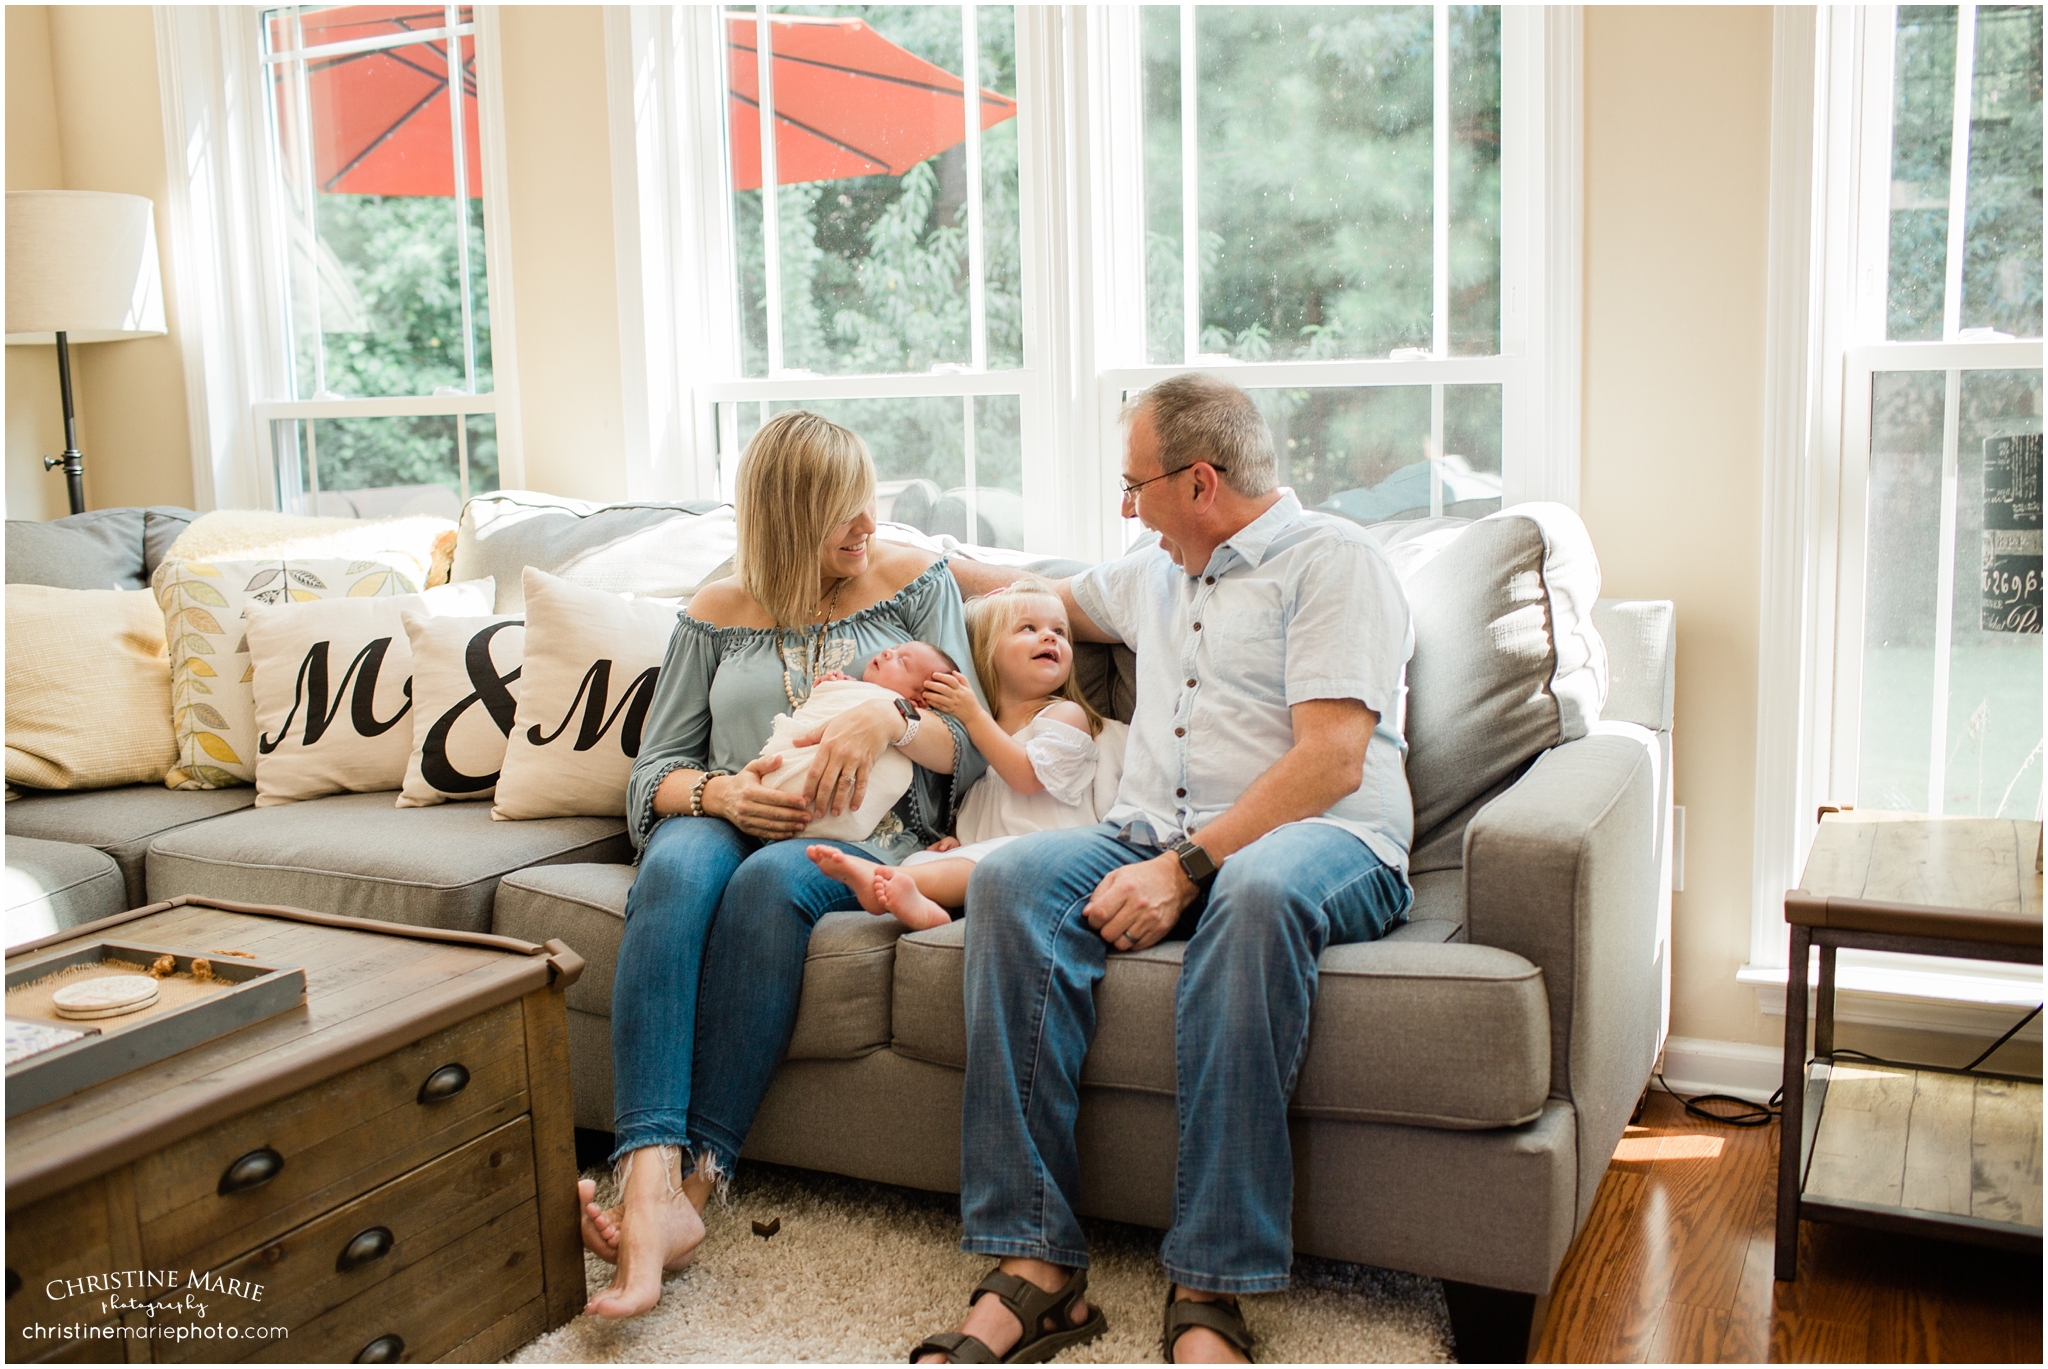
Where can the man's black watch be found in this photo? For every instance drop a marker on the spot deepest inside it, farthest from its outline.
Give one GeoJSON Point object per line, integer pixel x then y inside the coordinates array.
{"type": "Point", "coordinates": [1195, 862]}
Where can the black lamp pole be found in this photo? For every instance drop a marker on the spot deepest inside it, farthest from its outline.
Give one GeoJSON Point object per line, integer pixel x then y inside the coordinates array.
{"type": "Point", "coordinates": [73, 459]}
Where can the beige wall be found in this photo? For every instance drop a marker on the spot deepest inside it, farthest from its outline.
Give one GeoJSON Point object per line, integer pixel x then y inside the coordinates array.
{"type": "Point", "coordinates": [558, 179]}
{"type": "Point", "coordinates": [91, 119]}
{"type": "Point", "coordinates": [1677, 111]}
{"type": "Point", "coordinates": [35, 423]}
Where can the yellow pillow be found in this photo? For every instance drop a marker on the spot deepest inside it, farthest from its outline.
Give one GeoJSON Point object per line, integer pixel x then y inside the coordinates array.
{"type": "Point", "coordinates": [88, 688]}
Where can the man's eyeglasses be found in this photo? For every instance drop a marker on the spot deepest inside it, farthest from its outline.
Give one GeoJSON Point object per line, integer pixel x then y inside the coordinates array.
{"type": "Point", "coordinates": [1131, 490]}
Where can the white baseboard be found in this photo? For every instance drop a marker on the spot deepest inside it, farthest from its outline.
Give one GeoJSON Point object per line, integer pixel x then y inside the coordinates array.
{"type": "Point", "coordinates": [1692, 1065]}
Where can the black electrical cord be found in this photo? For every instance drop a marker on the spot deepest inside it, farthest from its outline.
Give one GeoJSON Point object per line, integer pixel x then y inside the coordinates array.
{"type": "Point", "coordinates": [1748, 1114]}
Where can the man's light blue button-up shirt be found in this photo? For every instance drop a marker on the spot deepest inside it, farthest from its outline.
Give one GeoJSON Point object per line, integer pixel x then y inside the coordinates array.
{"type": "Point", "coordinates": [1297, 606]}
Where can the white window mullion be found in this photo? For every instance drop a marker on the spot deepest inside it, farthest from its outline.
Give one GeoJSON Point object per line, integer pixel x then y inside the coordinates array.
{"type": "Point", "coordinates": [1440, 246]}
{"type": "Point", "coordinates": [1945, 590]}
{"type": "Point", "coordinates": [771, 199]}
{"type": "Point", "coordinates": [1190, 197]}
{"type": "Point", "coordinates": [460, 145]}
{"type": "Point", "coordinates": [310, 176]}
{"type": "Point", "coordinates": [977, 252]}
{"type": "Point", "coordinates": [1959, 172]}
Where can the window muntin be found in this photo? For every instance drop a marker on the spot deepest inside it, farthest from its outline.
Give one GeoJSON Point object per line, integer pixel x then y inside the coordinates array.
{"type": "Point", "coordinates": [385, 289]}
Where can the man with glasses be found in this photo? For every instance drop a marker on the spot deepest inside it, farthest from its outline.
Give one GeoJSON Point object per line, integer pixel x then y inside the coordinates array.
{"type": "Point", "coordinates": [1263, 815]}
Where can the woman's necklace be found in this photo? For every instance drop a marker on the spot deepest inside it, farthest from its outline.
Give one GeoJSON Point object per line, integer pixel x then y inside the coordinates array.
{"type": "Point", "coordinates": [812, 650]}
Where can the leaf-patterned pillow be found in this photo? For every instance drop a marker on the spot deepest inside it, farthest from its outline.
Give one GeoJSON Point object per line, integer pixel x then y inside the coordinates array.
{"type": "Point", "coordinates": [213, 711]}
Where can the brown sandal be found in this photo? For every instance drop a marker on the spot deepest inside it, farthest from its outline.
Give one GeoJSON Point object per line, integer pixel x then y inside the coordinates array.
{"type": "Point", "coordinates": [1033, 1307]}
{"type": "Point", "coordinates": [1224, 1318]}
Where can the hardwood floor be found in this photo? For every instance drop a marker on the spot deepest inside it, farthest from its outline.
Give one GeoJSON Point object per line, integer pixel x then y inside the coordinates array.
{"type": "Point", "coordinates": [1675, 1265]}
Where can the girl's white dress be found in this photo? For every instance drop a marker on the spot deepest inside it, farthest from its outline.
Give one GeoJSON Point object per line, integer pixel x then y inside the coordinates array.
{"type": "Point", "coordinates": [1080, 774]}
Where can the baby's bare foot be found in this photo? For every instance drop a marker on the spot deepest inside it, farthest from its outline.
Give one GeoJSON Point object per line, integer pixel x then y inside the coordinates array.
{"type": "Point", "coordinates": [897, 892]}
{"type": "Point", "coordinates": [855, 873]}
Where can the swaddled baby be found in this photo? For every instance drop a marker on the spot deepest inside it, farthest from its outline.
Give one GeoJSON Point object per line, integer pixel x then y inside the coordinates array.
{"type": "Point", "coordinates": [895, 672]}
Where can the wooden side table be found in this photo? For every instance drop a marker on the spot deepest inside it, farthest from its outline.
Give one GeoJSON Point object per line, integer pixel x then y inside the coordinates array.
{"type": "Point", "coordinates": [1924, 1150]}
{"type": "Point", "coordinates": [387, 1171]}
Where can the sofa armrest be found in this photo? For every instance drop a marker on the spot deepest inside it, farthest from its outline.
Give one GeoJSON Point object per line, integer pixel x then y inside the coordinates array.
{"type": "Point", "coordinates": [1562, 869]}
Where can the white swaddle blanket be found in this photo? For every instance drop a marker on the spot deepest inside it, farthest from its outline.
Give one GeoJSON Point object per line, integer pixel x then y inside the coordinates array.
{"type": "Point", "coordinates": [888, 779]}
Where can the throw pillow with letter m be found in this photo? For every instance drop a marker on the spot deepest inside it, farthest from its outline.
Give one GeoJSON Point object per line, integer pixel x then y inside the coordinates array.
{"type": "Point", "coordinates": [585, 686]}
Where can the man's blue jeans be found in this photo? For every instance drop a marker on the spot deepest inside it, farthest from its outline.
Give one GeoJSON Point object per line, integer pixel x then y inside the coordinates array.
{"type": "Point", "coordinates": [711, 965]}
{"type": "Point", "coordinates": [1241, 1018]}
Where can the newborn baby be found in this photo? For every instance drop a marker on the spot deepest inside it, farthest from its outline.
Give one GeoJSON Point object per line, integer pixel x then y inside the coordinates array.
{"type": "Point", "coordinates": [895, 672]}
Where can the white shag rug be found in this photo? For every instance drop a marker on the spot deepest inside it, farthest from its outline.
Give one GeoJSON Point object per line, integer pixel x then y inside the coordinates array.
{"type": "Point", "coordinates": [859, 1273]}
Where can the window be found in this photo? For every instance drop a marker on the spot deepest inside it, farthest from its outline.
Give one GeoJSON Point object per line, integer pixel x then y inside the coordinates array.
{"type": "Point", "coordinates": [1365, 187]}
{"type": "Point", "coordinates": [333, 184]}
{"type": "Point", "coordinates": [1916, 682]}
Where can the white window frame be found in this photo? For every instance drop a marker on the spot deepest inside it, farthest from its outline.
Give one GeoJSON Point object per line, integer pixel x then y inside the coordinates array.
{"type": "Point", "coordinates": [1827, 278]}
{"type": "Point", "coordinates": [1080, 185]}
{"type": "Point", "coordinates": [228, 246]}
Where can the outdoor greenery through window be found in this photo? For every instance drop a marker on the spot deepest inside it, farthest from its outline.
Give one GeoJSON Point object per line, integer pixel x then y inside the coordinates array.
{"type": "Point", "coordinates": [386, 291]}
{"type": "Point", "coordinates": [1337, 169]}
{"type": "Point", "coordinates": [885, 244]}
{"type": "Point", "coordinates": [1951, 647]}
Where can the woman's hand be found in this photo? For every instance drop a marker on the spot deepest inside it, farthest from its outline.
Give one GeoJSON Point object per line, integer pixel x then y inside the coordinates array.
{"type": "Point", "coordinates": [748, 804]}
{"type": "Point", "coordinates": [952, 695]}
{"type": "Point", "coordinates": [848, 746]}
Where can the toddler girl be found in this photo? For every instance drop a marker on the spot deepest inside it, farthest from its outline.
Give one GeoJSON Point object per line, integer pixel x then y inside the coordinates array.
{"type": "Point", "coordinates": [1052, 760]}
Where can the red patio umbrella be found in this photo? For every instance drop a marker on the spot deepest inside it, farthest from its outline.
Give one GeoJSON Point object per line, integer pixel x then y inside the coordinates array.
{"type": "Point", "coordinates": [848, 102]}
{"type": "Point", "coordinates": [380, 119]}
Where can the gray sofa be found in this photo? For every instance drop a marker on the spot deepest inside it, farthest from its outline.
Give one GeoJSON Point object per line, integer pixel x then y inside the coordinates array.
{"type": "Point", "coordinates": [1467, 1077]}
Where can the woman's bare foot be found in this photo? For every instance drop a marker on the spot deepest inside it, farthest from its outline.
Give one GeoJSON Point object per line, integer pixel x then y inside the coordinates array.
{"type": "Point", "coordinates": [855, 873]}
{"type": "Point", "coordinates": [898, 893]}
{"type": "Point", "coordinates": [600, 1225]}
{"type": "Point", "coordinates": [658, 1228]}
{"type": "Point", "coordinates": [994, 1325]}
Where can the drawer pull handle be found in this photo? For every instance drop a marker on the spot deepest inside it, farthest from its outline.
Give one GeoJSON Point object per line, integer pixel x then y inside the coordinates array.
{"type": "Point", "coordinates": [384, 1350]}
{"type": "Point", "coordinates": [368, 1246]}
{"type": "Point", "coordinates": [253, 1170]}
{"type": "Point", "coordinates": [444, 1083]}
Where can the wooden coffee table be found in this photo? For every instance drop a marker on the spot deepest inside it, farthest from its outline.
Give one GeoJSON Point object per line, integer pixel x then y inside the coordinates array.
{"type": "Point", "coordinates": [386, 1172]}
{"type": "Point", "coordinates": [1919, 1149]}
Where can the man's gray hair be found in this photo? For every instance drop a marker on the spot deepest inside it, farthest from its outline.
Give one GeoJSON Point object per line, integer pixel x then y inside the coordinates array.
{"type": "Point", "coordinates": [1201, 418]}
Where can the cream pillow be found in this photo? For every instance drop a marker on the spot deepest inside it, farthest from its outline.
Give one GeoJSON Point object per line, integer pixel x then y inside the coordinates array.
{"type": "Point", "coordinates": [333, 690]}
{"type": "Point", "coordinates": [88, 688]}
{"type": "Point", "coordinates": [585, 686]}
{"type": "Point", "coordinates": [203, 604]}
{"type": "Point", "coordinates": [465, 688]}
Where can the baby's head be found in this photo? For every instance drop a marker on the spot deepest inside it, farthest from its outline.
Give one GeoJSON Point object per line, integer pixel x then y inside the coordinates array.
{"type": "Point", "coordinates": [906, 669]}
{"type": "Point", "coordinates": [1022, 645]}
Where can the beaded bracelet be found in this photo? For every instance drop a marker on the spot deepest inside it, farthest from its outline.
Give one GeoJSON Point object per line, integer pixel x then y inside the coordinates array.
{"type": "Point", "coordinates": [697, 790]}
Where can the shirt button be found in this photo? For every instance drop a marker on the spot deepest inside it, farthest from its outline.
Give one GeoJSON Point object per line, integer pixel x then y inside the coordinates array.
{"type": "Point", "coordinates": [1210, 580]}
{"type": "Point", "coordinates": [1180, 731]}
{"type": "Point", "coordinates": [1180, 793]}
{"type": "Point", "coordinates": [1191, 684]}
{"type": "Point", "coordinates": [1198, 627]}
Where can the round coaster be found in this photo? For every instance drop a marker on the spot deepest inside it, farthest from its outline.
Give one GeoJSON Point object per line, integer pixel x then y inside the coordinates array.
{"type": "Point", "coordinates": [106, 996]}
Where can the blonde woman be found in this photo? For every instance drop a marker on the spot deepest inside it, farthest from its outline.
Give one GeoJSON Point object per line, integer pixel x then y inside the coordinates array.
{"type": "Point", "coordinates": [711, 962]}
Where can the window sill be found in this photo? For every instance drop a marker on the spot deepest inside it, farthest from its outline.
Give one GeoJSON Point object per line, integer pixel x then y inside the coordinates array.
{"type": "Point", "coordinates": [1965, 998]}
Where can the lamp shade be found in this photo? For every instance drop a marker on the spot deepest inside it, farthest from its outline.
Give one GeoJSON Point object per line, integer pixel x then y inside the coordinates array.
{"type": "Point", "coordinates": [81, 262]}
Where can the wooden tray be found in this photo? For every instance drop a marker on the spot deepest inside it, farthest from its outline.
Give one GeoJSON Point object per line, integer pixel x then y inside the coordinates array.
{"type": "Point", "coordinates": [121, 1044]}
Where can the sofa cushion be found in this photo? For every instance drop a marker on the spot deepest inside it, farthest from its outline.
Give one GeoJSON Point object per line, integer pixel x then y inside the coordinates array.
{"type": "Point", "coordinates": [52, 885]}
{"type": "Point", "coordinates": [1435, 1035]}
{"type": "Point", "coordinates": [842, 1015]}
{"type": "Point", "coordinates": [357, 855]}
{"type": "Point", "coordinates": [1507, 663]}
{"type": "Point", "coordinates": [100, 549]}
{"type": "Point", "coordinates": [88, 688]}
{"type": "Point", "coordinates": [120, 822]}
{"type": "Point", "coordinates": [665, 550]}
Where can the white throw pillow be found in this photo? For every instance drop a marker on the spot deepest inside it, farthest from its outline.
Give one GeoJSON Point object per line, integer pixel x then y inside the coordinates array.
{"type": "Point", "coordinates": [465, 688]}
{"type": "Point", "coordinates": [333, 690]}
{"type": "Point", "coordinates": [212, 710]}
{"type": "Point", "coordinates": [588, 678]}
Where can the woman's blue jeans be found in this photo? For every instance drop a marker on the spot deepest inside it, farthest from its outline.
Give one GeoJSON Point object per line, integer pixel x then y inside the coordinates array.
{"type": "Point", "coordinates": [710, 969]}
{"type": "Point", "coordinates": [1241, 1017]}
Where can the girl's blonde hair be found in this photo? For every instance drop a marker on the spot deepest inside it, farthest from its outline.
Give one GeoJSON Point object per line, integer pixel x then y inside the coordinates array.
{"type": "Point", "coordinates": [993, 615]}
{"type": "Point", "coordinates": [800, 477]}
